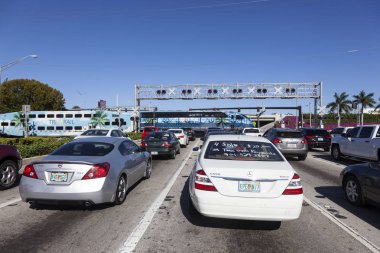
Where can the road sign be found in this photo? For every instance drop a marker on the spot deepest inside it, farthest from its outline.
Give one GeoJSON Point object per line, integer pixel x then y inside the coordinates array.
{"type": "Point", "coordinates": [321, 110]}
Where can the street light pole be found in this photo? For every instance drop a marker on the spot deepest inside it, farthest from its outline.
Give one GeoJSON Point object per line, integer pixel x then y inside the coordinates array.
{"type": "Point", "coordinates": [12, 63]}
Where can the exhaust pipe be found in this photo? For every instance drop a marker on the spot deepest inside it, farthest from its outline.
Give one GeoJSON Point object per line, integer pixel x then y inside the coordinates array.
{"type": "Point", "coordinates": [87, 204]}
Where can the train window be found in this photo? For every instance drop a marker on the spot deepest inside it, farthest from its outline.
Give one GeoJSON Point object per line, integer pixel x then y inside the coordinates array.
{"type": "Point", "coordinates": [13, 123]}
{"type": "Point", "coordinates": [59, 128]}
{"type": "Point", "coordinates": [41, 115]}
{"type": "Point", "coordinates": [59, 116]}
{"type": "Point", "coordinates": [78, 128]}
{"type": "Point", "coordinates": [114, 123]}
{"type": "Point", "coordinates": [78, 115]}
{"type": "Point", "coordinates": [4, 124]}
{"type": "Point", "coordinates": [41, 128]}
{"type": "Point", "coordinates": [69, 128]}
{"type": "Point", "coordinates": [50, 116]}
{"type": "Point", "coordinates": [87, 115]}
{"type": "Point", "coordinates": [50, 128]}
{"type": "Point", "coordinates": [107, 123]}
{"type": "Point", "coordinates": [69, 115]}
{"type": "Point", "coordinates": [32, 116]}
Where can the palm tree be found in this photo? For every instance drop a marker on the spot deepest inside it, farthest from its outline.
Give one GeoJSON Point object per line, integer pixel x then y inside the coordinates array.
{"type": "Point", "coordinates": [340, 104]}
{"type": "Point", "coordinates": [366, 100]}
{"type": "Point", "coordinates": [221, 121]}
{"type": "Point", "coordinates": [99, 118]}
{"type": "Point", "coordinates": [18, 119]}
{"type": "Point", "coordinates": [377, 106]}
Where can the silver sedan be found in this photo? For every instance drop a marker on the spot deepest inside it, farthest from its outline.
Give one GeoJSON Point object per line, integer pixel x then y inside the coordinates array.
{"type": "Point", "coordinates": [89, 171]}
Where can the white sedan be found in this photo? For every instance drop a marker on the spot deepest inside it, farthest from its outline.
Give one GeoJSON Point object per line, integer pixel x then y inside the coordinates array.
{"type": "Point", "coordinates": [244, 177]}
{"type": "Point", "coordinates": [181, 135]}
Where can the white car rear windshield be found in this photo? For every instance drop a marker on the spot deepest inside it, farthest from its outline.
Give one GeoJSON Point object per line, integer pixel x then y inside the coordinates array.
{"type": "Point", "coordinates": [242, 150]}
{"type": "Point", "coordinates": [95, 133]}
{"type": "Point", "coordinates": [251, 130]}
{"type": "Point", "coordinates": [175, 131]}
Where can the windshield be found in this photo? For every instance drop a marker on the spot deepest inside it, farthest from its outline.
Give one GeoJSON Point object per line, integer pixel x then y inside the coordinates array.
{"type": "Point", "coordinates": [251, 130]}
{"type": "Point", "coordinates": [289, 134]}
{"type": "Point", "coordinates": [242, 150]}
{"type": "Point", "coordinates": [84, 149]}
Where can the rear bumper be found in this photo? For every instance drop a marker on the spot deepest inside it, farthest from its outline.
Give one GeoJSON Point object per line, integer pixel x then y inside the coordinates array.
{"type": "Point", "coordinates": [294, 151]}
{"type": "Point", "coordinates": [93, 190]}
{"type": "Point", "coordinates": [319, 144]}
{"type": "Point", "coordinates": [160, 151]}
{"type": "Point", "coordinates": [213, 204]}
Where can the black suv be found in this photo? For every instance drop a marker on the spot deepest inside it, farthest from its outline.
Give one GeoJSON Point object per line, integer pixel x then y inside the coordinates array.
{"type": "Point", "coordinates": [10, 164]}
{"type": "Point", "coordinates": [317, 138]}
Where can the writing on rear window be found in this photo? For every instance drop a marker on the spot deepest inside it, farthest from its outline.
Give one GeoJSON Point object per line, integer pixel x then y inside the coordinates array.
{"type": "Point", "coordinates": [242, 150]}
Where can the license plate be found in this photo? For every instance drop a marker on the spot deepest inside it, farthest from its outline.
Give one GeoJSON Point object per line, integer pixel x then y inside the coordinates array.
{"type": "Point", "coordinates": [292, 145]}
{"type": "Point", "coordinates": [249, 186]}
{"type": "Point", "coordinates": [320, 139]}
{"type": "Point", "coordinates": [154, 153]}
{"type": "Point", "coordinates": [58, 177]}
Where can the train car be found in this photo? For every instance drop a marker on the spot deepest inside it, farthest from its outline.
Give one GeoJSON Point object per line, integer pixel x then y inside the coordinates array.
{"type": "Point", "coordinates": [197, 120]}
{"type": "Point", "coordinates": [62, 123]}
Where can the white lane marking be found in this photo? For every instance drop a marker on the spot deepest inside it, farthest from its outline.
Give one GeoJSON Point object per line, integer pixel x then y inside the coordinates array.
{"type": "Point", "coordinates": [137, 233]}
{"type": "Point", "coordinates": [10, 202]}
{"type": "Point", "coordinates": [371, 246]}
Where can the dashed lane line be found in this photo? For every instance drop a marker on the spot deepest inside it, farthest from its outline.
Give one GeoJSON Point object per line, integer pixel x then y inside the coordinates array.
{"type": "Point", "coordinates": [10, 202]}
{"type": "Point", "coordinates": [131, 242]}
{"type": "Point", "coordinates": [367, 243]}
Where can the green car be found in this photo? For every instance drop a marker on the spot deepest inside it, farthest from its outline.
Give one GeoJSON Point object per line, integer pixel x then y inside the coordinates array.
{"type": "Point", "coordinates": [162, 144]}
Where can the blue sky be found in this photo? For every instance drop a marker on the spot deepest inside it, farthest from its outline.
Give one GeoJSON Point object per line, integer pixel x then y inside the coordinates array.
{"type": "Point", "coordinates": [91, 50]}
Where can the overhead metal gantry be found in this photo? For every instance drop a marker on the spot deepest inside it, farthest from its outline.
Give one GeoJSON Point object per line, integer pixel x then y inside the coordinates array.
{"type": "Point", "coordinates": [231, 91]}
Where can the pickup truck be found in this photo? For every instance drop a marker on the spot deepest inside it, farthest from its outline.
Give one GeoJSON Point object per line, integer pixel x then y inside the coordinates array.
{"type": "Point", "coordinates": [361, 142]}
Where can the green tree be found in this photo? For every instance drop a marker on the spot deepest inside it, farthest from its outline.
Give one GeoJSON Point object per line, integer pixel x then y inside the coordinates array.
{"type": "Point", "coordinates": [40, 96]}
{"type": "Point", "coordinates": [19, 119]}
{"type": "Point", "coordinates": [341, 104]}
{"type": "Point", "coordinates": [377, 106]}
{"type": "Point", "coordinates": [99, 119]}
{"type": "Point", "coordinates": [76, 107]}
{"type": "Point", "coordinates": [365, 100]}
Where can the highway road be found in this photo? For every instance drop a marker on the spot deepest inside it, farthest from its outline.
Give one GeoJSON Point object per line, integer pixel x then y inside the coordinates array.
{"type": "Point", "coordinates": [155, 218]}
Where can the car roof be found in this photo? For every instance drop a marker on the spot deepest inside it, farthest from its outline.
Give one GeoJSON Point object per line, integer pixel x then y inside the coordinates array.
{"type": "Point", "coordinates": [236, 137]}
{"type": "Point", "coordinates": [287, 130]}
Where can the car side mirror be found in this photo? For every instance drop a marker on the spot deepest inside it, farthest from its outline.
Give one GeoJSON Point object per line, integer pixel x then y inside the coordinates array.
{"type": "Point", "coordinates": [197, 149]}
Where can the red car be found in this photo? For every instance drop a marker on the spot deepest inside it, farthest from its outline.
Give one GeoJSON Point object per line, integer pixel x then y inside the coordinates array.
{"type": "Point", "coordinates": [147, 130]}
{"type": "Point", "coordinates": [10, 164]}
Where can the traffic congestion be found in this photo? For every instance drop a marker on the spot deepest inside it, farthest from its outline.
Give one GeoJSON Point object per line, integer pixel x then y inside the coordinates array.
{"type": "Point", "coordinates": [171, 192]}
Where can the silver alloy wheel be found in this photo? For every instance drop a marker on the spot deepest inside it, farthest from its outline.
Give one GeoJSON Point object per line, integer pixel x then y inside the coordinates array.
{"type": "Point", "coordinates": [8, 175]}
{"type": "Point", "coordinates": [121, 190]}
{"type": "Point", "coordinates": [335, 152]}
{"type": "Point", "coordinates": [352, 190]}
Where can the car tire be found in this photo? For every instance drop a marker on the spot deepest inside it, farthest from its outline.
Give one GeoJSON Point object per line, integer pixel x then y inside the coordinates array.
{"type": "Point", "coordinates": [121, 190]}
{"type": "Point", "coordinates": [173, 154]}
{"type": "Point", "coordinates": [353, 191]}
{"type": "Point", "coordinates": [335, 153]}
{"type": "Point", "coordinates": [8, 174]}
{"type": "Point", "coordinates": [302, 157]}
{"type": "Point", "coordinates": [326, 149]}
{"type": "Point", "coordinates": [192, 210]}
{"type": "Point", "coordinates": [179, 151]}
{"type": "Point", "coordinates": [148, 170]}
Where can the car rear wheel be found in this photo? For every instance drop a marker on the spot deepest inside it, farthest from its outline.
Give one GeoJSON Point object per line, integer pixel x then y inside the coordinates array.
{"type": "Point", "coordinates": [302, 157]}
{"type": "Point", "coordinates": [179, 151]}
{"type": "Point", "coordinates": [121, 191]}
{"type": "Point", "coordinates": [335, 152]}
{"type": "Point", "coordinates": [353, 191]}
{"type": "Point", "coordinates": [148, 170]}
{"type": "Point", "coordinates": [8, 174]}
{"type": "Point", "coordinates": [173, 154]}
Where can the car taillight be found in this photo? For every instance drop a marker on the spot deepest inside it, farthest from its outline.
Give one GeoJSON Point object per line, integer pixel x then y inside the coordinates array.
{"type": "Point", "coordinates": [30, 172]}
{"type": "Point", "coordinates": [181, 136]}
{"type": "Point", "coordinates": [277, 140]}
{"type": "Point", "coordinates": [328, 137]}
{"type": "Point", "coordinates": [166, 145]}
{"type": "Point", "coordinates": [304, 141]}
{"type": "Point", "coordinates": [202, 182]}
{"type": "Point", "coordinates": [309, 136]}
{"type": "Point", "coordinates": [97, 171]}
{"type": "Point", "coordinates": [294, 186]}
{"type": "Point", "coordinates": [144, 144]}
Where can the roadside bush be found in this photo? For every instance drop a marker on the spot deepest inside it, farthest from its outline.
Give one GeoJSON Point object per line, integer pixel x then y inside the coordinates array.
{"type": "Point", "coordinates": [134, 136]}
{"type": "Point", "coordinates": [35, 146]}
